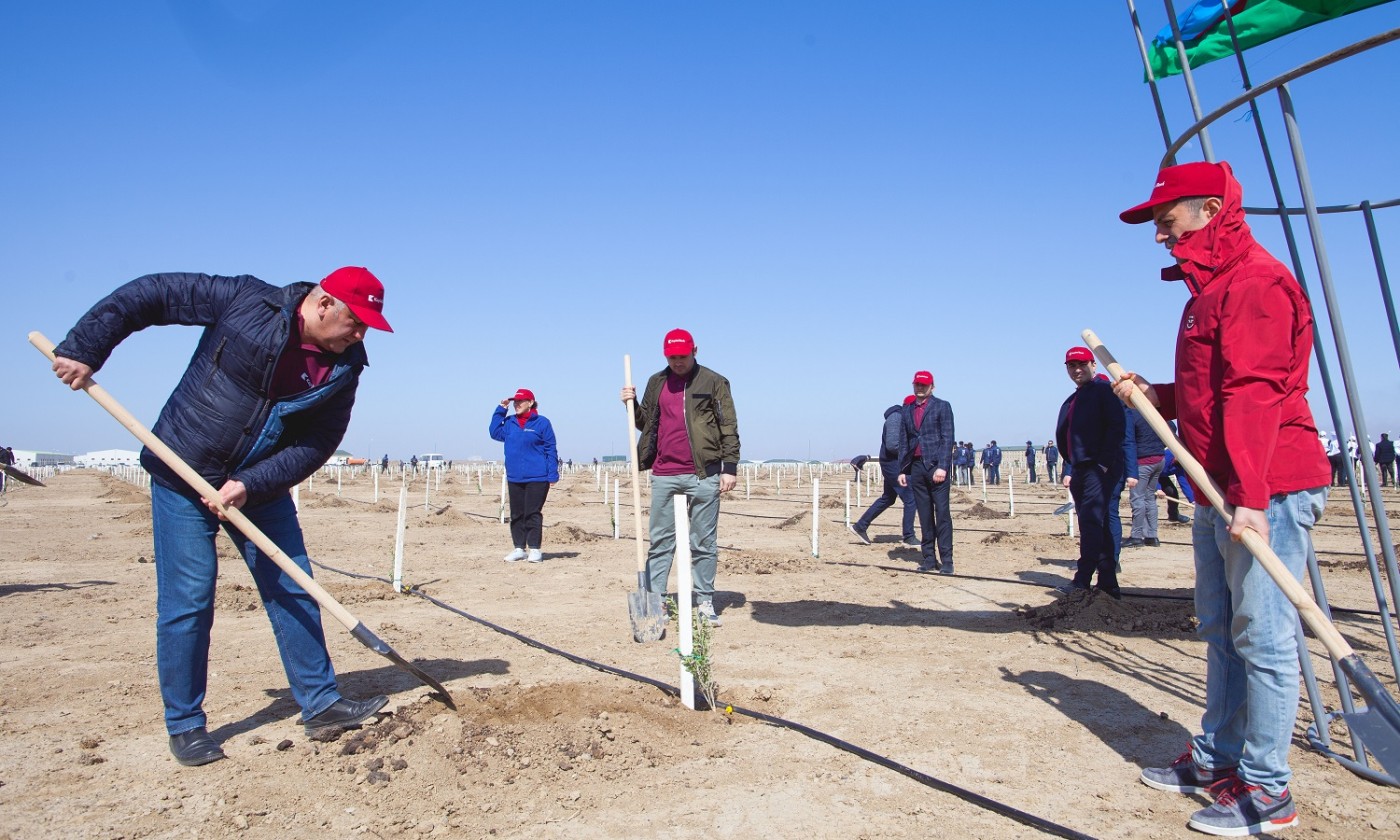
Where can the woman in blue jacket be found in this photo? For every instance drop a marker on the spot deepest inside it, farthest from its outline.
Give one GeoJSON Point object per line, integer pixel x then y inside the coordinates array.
{"type": "Point", "coordinates": [532, 466]}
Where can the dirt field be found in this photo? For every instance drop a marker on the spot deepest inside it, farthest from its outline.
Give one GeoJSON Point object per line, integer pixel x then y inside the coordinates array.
{"type": "Point", "coordinates": [980, 681]}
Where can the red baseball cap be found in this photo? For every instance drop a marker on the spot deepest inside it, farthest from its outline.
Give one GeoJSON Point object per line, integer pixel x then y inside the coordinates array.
{"type": "Point", "coordinates": [678, 343]}
{"type": "Point", "coordinates": [524, 394]}
{"type": "Point", "coordinates": [923, 377]}
{"type": "Point", "coordinates": [1078, 354]}
{"type": "Point", "coordinates": [909, 399]}
{"type": "Point", "coordinates": [361, 291]}
{"type": "Point", "coordinates": [1186, 180]}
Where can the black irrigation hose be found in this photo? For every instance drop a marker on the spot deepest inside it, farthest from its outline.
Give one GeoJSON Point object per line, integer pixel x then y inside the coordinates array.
{"type": "Point", "coordinates": [968, 796]}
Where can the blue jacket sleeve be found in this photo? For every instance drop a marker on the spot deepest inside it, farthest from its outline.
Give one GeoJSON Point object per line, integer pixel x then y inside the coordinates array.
{"type": "Point", "coordinates": [497, 427]}
{"type": "Point", "coordinates": [551, 450]}
{"type": "Point", "coordinates": [149, 301]}
{"type": "Point", "coordinates": [313, 438]}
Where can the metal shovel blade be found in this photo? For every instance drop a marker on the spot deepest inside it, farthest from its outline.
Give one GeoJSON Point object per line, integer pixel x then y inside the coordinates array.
{"type": "Point", "coordinates": [1379, 738]}
{"type": "Point", "coordinates": [1378, 725]}
{"type": "Point", "coordinates": [381, 647]}
{"type": "Point", "coordinates": [22, 476]}
{"type": "Point", "coordinates": [1064, 508]}
{"type": "Point", "coordinates": [648, 615]}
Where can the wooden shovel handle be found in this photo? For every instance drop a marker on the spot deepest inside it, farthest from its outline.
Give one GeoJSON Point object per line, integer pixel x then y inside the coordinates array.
{"type": "Point", "coordinates": [635, 467]}
{"type": "Point", "coordinates": [207, 491]}
{"type": "Point", "coordinates": [1312, 615]}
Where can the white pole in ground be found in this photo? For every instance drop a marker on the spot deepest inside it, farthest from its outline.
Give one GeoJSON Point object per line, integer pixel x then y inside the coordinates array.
{"type": "Point", "coordinates": [848, 502]}
{"type": "Point", "coordinates": [398, 538]}
{"type": "Point", "coordinates": [747, 486]}
{"type": "Point", "coordinates": [858, 483]}
{"type": "Point", "coordinates": [503, 498]}
{"type": "Point", "coordinates": [480, 488]}
{"type": "Point", "coordinates": [296, 498]}
{"type": "Point", "coordinates": [984, 485]}
{"type": "Point", "coordinates": [816, 518]}
{"type": "Point", "coordinates": [338, 471]}
{"type": "Point", "coordinates": [1072, 515]}
{"type": "Point", "coordinates": [376, 486]}
{"type": "Point", "coordinates": [427, 485]}
{"type": "Point", "coordinates": [617, 512]}
{"type": "Point", "coordinates": [683, 589]}
{"type": "Point", "coordinates": [1011, 494]}
{"type": "Point", "coordinates": [311, 483]}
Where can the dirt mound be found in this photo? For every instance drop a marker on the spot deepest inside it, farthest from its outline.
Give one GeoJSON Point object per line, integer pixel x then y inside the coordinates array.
{"type": "Point", "coordinates": [141, 514]}
{"type": "Point", "coordinates": [793, 521]}
{"type": "Point", "coordinates": [326, 502]}
{"type": "Point", "coordinates": [831, 502]}
{"type": "Point", "coordinates": [764, 562]}
{"type": "Point", "coordinates": [981, 511]}
{"type": "Point", "coordinates": [1093, 610]}
{"type": "Point", "coordinates": [566, 534]}
{"type": "Point", "coordinates": [236, 597]}
{"type": "Point", "coordinates": [994, 537]}
{"type": "Point", "coordinates": [118, 491]}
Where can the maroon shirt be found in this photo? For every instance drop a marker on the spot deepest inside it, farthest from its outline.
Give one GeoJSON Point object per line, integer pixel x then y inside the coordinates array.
{"type": "Point", "coordinates": [303, 365]}
{"type": "Point", "coordinates": [673, 455]}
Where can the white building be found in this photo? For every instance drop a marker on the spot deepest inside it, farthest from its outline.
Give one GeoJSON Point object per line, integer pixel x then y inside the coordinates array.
{"type": "Point", "coordinates": [28, 458]}
{"type": "Point", "coordinates": [109, 458]}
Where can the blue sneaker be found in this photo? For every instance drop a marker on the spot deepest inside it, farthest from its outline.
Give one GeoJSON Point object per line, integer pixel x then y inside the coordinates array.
{"type": "Point", "coordinates": [1242, 809]}
{"type": "Point", "coordinates": [1185, 776]}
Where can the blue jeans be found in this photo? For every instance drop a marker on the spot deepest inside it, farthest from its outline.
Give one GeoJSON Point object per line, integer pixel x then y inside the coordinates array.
{"type": "Point", "coordinates": [1144, 500]}
{"type": "Point", "coordinates": [892, 492]}
{"type": "Point", "coordinates": [704, 523]}
{"type": "Point", "coordinates": [1250, 631]}
{"type": "Point", "coordinates": [186, 570]}
{"type": "Point", "coordinates": [1096, 495]}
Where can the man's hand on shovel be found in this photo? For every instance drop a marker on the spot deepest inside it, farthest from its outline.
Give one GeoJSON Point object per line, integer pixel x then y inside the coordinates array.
{"type": "Point", "coordinates": [1242, 517]}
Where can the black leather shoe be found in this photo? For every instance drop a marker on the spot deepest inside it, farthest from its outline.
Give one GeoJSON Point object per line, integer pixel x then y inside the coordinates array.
{"type": "Point", "coordinates": [195, 747]}
{"type": "Point", "coordinates": [1133, 542]}
{"type": "Point", "coordinates": [1151, 542]}
{"type": "Point", "coordinates": [346, 714]}
{"type": "Point", "coordinates": [946, 568]}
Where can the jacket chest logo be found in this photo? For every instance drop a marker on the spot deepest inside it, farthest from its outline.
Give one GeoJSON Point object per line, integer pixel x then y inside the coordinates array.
{"type": "Point", "coordinates": [1190, 321]}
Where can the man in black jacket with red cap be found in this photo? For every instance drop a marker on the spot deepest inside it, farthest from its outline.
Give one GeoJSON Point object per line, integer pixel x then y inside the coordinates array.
{"type": "Point", "coordinates": [263, 404]}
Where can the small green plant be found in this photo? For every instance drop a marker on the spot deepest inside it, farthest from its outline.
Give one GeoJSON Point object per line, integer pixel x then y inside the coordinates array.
{"type": "Point", "coordinates": [699, 664]}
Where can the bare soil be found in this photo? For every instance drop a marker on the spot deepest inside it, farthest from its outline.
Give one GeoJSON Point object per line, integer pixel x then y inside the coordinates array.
{"type": "Point", "coordinates": [984, 681]}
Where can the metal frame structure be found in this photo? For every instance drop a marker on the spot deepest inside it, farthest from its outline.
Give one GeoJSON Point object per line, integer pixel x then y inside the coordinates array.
{"type": "Point", "coordinates": [1318, 734]}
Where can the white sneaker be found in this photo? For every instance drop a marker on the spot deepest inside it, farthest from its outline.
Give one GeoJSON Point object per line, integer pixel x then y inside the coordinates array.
{"type": "Point", "coordinates": [516, 555]}
{"type": "Point", "coordinates": [535, 556]}
{"type": "Point", "coordinates": [707, 612]}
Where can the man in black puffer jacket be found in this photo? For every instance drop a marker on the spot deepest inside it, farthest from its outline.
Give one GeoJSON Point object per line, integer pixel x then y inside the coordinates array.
{"type": "Point", "coordinates": [263, 404]}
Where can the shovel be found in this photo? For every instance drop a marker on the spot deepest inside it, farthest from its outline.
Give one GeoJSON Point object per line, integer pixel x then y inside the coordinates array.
{"type": "Point", "coordinates": [251, 531]}
{"type": "Point", "coordinates": [21, 476]}
{"type": "Point", "coordinates": [644, 607]}
{"type": "Point", "coordinates": [1377, 726]}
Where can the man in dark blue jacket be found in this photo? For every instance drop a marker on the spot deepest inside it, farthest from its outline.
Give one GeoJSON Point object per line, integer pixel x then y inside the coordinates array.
{"type": "Point", "coordinates": [991, 460]}
{"type": "Point", "coordinates": [263, 404]}
{"type": "Point", "coordinates": [925, 462]}
{"type": "Point", "coordinates": [1052, 461]}
{"type": "Point", "coordinates": [1090, 432]}
{"type": "Point", "coordinates": [889, 468]}
{"type": "Point", "coordinates": [1030, 463]}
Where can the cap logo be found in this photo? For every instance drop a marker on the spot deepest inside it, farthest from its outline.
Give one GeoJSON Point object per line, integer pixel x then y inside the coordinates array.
{"type": "Point", "coordinates": [373, 299]}
{"type": "Point", "coordinates": [1159, 184]}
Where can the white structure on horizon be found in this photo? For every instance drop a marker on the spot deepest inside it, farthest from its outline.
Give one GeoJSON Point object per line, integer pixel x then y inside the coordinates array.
{"type": "Point", "coordinates": [27, 458]}
{"type": "Point", "coordinates": [109, 458]}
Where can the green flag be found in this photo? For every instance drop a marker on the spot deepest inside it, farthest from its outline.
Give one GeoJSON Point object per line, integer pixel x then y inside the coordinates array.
{"type": "Point", "coordinates": [1256, 22]}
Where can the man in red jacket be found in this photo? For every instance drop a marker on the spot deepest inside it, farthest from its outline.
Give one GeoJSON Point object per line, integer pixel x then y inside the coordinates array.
{"type": "Point", "coordinates": [1240, 401]}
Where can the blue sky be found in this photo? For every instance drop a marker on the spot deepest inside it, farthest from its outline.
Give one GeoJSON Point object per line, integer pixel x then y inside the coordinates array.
{"type": "Point", "coordinates": [830, 196]}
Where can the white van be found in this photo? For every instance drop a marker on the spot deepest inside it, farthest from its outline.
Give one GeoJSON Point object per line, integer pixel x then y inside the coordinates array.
{"type": "Point", "coordinates": [432, 460]}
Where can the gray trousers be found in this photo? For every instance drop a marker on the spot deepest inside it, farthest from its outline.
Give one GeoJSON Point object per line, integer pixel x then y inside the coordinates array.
{"type": "Point", "coordinates": [1144, 501]}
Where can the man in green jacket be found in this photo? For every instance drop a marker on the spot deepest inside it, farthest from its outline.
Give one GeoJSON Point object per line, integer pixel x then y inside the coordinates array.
{"type": "Point", "coordinates": [690, 442]}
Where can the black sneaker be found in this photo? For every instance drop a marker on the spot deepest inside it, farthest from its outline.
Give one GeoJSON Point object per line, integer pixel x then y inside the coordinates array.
{"type": "Point", "coordinates": [947, 568]}
{"type": "Point", "coordinates": [1071, 588]}
{"type": "Point", "coordinates": [912, 541]}
{"type": "Point", "coordinates": [1186, 776]}
{"type": "Point", "coordinates": [929, 566]}
{"type": "Point", "coordinates": [1133, 542]}
{"type": "Point", "coordinates": [860, 533]}
{"type": "Point", "coordinates": [1241, 809]}
{"type": "Point", "coordinates": [1152, 542]}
